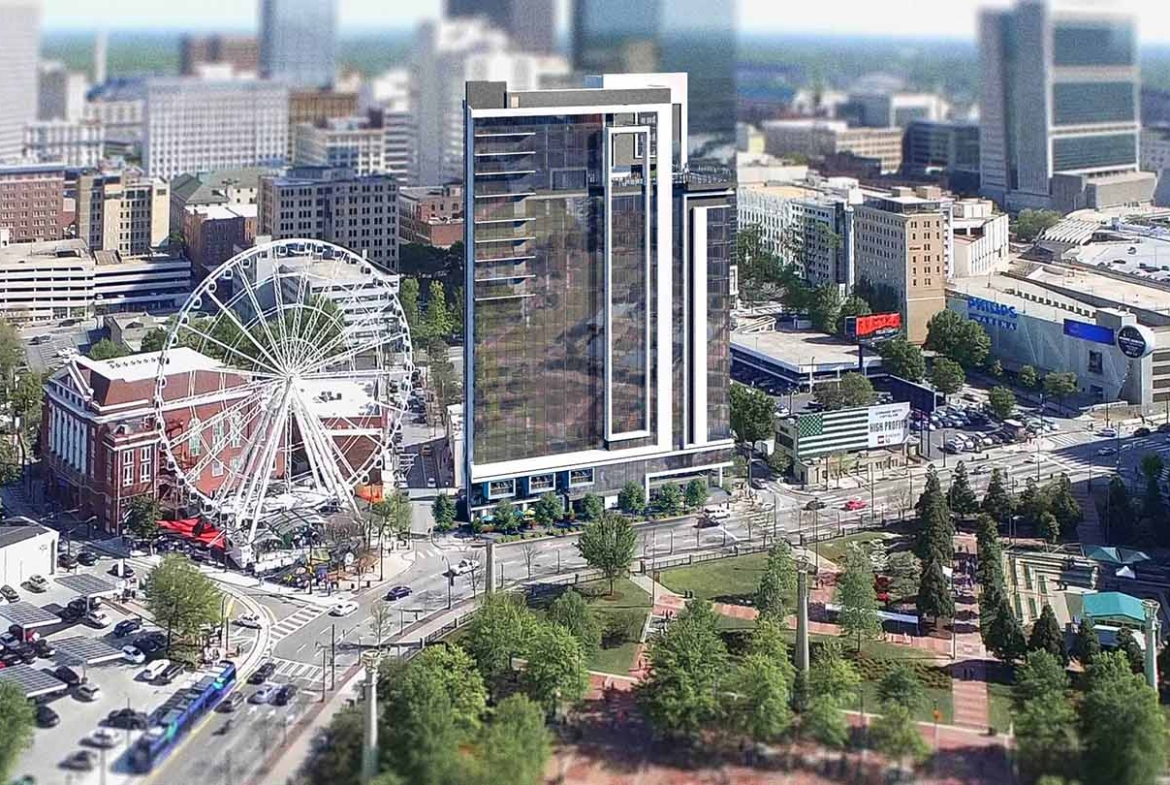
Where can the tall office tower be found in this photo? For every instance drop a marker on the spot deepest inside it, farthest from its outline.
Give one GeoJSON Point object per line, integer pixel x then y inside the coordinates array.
{"type": "Point", "coordinates": [598, 279]}
{"type": "Point", "coordinates": [197, 126]}
{"type": "Point", "coordinates": [696, 37]}
{"type": "Point", "coordinates": [20, 48]}
{"type": "Point", "coordinates": [298, 42]}
{"type": "Point", "coordinates": [530, 24]}
{"type": "Point", "coordinates": [447, 54]}
{"type": "Point", "coordinates": [1059, 108]}
{"type": "Point", "coordinates": [61, 92]}
{"type": "Point", "coordinates": [99, 57]}
{"type": "Point", "coordinates": [241, 52]}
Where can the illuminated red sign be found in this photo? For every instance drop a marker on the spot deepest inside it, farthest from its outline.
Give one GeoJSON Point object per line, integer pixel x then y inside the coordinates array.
{"type": "Point", "coordinates": [865, 326]}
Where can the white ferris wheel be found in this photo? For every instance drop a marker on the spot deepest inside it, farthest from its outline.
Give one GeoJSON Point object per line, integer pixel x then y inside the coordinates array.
{"type": "Point", "coordinates": [282, 384]}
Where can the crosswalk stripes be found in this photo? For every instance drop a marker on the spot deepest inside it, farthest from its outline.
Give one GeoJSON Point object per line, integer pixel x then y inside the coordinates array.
{"type": "Point", "coordinates": [290, 624]}
{"type": "Point", "coordinates": [291, 669]}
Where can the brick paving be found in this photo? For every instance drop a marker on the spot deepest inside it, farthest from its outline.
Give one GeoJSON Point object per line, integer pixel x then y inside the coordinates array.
{"type": "Point", "coordinates": [969, 675]}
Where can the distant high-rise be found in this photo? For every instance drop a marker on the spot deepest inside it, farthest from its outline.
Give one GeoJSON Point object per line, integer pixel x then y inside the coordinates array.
{"type": "Point", "coordinates": [530, 24]}
{"type": "Point", "coordinates": [696, 37]}
{"type": "Point", "coordinates": [298, 41]}
{"type": "Point", "coordinates": [241, 52]}
{"type": "Point", "coordinates": [20, 47]}
{"type": "Point", "coordinates": [1059, 107]}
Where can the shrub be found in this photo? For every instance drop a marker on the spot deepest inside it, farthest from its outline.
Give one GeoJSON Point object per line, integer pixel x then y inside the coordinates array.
{"type": "Point", "coordinates": [621, 627]}
{"type": "Point", "coordinates": [874, 668]}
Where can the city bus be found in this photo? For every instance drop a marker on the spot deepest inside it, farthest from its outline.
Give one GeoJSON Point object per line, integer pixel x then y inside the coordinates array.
{"type": "Point", "coordinates": [175, 718]}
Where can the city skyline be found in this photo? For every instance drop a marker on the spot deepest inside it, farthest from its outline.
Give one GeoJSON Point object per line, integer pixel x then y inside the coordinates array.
{"type": "Point", "coordinates": [899, 19]}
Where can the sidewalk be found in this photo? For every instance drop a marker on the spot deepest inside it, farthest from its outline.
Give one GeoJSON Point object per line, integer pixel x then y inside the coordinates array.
{"type": "Point", "coordinates": [969, 674]}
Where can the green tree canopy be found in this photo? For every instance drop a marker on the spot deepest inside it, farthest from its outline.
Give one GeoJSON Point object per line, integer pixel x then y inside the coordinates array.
{"type": "Point", "coordinates": [1030, 224]}
{"type": "Point", "coordinates": [443, 511]}
{"type": "Point", "coordinates": [1047, 635]}
{"type": "Point", "coordinates": [853, 305]}
{"type": "Point", "coordinates": [695, 494]}
{"type": "Point", "coordinates": [17, 719]}
{"type": "Point", "coordinates": [439, 322]}
{"type": "Point", "coordinates": [548, 509]}
{"type": "Point", "coordinates": [1027, 377]}
{"type": "Point", "coordinates": [853, 390]}
{"type": "Point", "coordinates": [182, 599]}
{"type": "Point", "coordinates": [903, 359]}
{"type": "Point", "coordinates": [857, 597]}
{"type": "Point", "coordinates": [759, 702]}
{"type": "Point", "coordinates": [154, 340]}
{"type": "Point", "coordinates": [1122, 726]}
{"type": "Point", "coordinates": [997, 502]}
{"type": "Point", "coordinates": [514, 747]}
{"type": "Point", "coordinates": [1045, 721]}
{"type": "Point", "coordinates": [777, 583]}
{"type": "Point", "coordinates": [608, 545]}
{"type": "Point", "coordinates": [632, 498]}
{"type": "Point", "coordinates": [751, 414]}
{"type": "Point", "coordinates": [499, 630]}
{"type": "Point", "coordinates": [895, 734]}
{"type": "Point", "coordinates": [947, 376]}
{"type": "Point", "coordinates": [958, 338]}
{"type": "Point", "coordinates": [1002, 402]}
{"type": "Point", "coordinates": [1058, 385]}
{"type": "Point", "coordinates": [901, 686]}
{"type": "Point", "coordinates": [574, 614]}
{"type": "Point", "coordinates": [556, 672]}
{"type": "Point", "coordinates": [105, 349]}
{"type": "Point", "coordinates": [1086, 645]}
{"type": "Point", "coordinates": [960, 497]}
{"type": "Point", "coordinates": [592, 507]}
{"type": "Point", "coordinates": [824, 306]}
{"type": "Point", "coordinates": [142, 516]}
{"type": "Point", "coordinates": [670, 499]}
{"type": "Point", "coordinates": [934, 590]}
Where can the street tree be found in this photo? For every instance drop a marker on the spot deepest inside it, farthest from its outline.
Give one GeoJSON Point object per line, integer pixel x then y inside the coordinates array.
{"type": "Point", "coordinates": [1122, 728]}
{"type": "Point", "coordinates": [695, 494]}
{"type": "Point", "coordinates": [934, 591]}
{"type": "Point", "coordinates": [1086, 644]}
{"type": "Point", "coordinates": [852, 391]}
{"type": "Point", "coordinates": [142, 516]}
{"type": "Point", "coordinates": [902, 687]}
{"type": "Point", "coordinates": [778, 582]}
{"type": "Point", "coordinates": [17, 720]}
{"type": "Point", "coordinates": [780, 462]}
{"type": "Point", "coordinates": [995, 370]}
{"type": "Point", "coordinates": [751, 414]}
{"type": "Point", "coordinates": [1118, 512]}
{"type": "Point", "coordinates": [1058, 385]}
{"type": "Point", "coordinates": [670, 499]}
{"type": "Point", "coordinates": [895, 734]}
{"type": "Point", "coordinates": [947, 376]}
{"type": "Point", "coordinates": [1032, 503]}
{"type": "Point", "coordinates": [857, 597]}
{"type": "Point", "coordinates": [574, 614]}
{"type": "Point", "coordinates": [394, 515]}
{"type": "Point", "coordinates": [1002, 633]}
{"type": "Point", "coordinates": [632, 498]}
{"type": "Point", "coordinates": [499, 630]}
{"type": "Point", "coordinates": [443, 511]}
{"type": "Point", "coordinates": [529, 550]}
{"type": "Point", "coordinates": [408, 292]}
{"type": "Point", "coordinates": [957, 338]}
{"type": "Point", "coordinates": [760, 693]}
{"type": "Point", "coordinates": [548, 509]}
{"type": "Point", "coordinates": [555, 673]}
{"type": "Point", "coordinates": [1047, 635]}
{"type": "Point", "coordinates": [438, 317]}
{"type": "Point", "coordinates": [903, 359]}
{"type": "Point", "coordinates": [592, 507]}
{"type": "Point", "coordinates": [181, 599]}
{"type": "Point", "coordinates": [1064, 505]}
{"type": "Point", "coordinates": [997, 502]}
{"type": "Point", "coordinates": [1002, 402]}
{"type": "Point", "coordinates": [1048, 528]}
{"type": "Point", "coordinates": [688, 664]}
{"type": "Point", "coordinates": [11, 349]}
{"type": "Point", "coordinates": [608, 545]}
{"type": "Point", "coordinates": [960, 497]}
{"type": "Point", "coordinates": [105, 349]}
{"type": "Point", "coordinates": [381, 622]}
{"type": "Point", "coordinates": [1027, 377]}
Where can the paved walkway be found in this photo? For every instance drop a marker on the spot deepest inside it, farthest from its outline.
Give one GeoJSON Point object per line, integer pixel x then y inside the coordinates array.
{"type": "Point", "coordinates": [969, 676]}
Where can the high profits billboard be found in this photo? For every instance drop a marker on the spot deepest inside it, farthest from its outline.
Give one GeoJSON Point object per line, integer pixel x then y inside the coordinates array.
{"type": "Point", "coordinates": [876, 325]}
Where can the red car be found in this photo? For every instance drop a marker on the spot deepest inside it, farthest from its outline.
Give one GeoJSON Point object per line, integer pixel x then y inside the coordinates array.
{"type": "Point", "coordinates": [855, 504]}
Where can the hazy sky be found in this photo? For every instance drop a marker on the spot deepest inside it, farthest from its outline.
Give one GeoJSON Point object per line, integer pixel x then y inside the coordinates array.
{"type": "Point", "coordinates": [933, 18]}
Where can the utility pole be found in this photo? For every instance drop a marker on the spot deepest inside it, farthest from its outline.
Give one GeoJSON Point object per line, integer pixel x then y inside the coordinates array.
{"type": "Point", "coordinates": [332, 657]}
{"type": "Point", "coordinates": [370, 737]}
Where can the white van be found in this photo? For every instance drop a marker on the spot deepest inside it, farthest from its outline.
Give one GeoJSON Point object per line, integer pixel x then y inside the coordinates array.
{"type": "Point", "coordinates": [151, 671]}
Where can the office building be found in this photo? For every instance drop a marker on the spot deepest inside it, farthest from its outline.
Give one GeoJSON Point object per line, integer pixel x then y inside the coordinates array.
{"type": "Point", "coordinates": [50, 281]}
{"type": "Point", "coordinates": [20, 49]}
{"type": "Point", "coordinates": [1155, 150]}
{"type": "Point", "coordinates": [392, 106]}
{"type": "Point", "coordinates": [447, 54]}
{"type": "Point", "coordinates": [227, 187]}
{"type": "Point", "coordinates": [530, 24]}
{"type": "Point", "coordinates": [888, 109]}
{"type": "Point", "coordinates": [1059, 107]}
{"type": "Point", "coordinates": [128, 329]}
{"type": "Point", "coordinates": [981, 240]}
{"type": "Point", "coordinates": [122, 212]}
{"type": "Point", "coordinates": [32, 201]}
{"type": "Point", "coordinates": [942, 147]}
{"type": "Point", "coordinates": [78, 144]}
{"type": "Point", "coordinates": [317, 106]}
{"type": "Point", "coordinates": [298, 42]}
{"type": "Point", "coordinates": [815, 138]}
{"type": "Point", "coordinates": [352, 143]}
{"type": "Point", "coordinates": [903, 242]}
{"type": "Point", "coordinates": [241, 53]}
{"type": "Point", "coordinates": [195, 126]}
{"type": "Point", "coordinates": [334, 205]}
{"type": "Point", "coordinates": [598, 293]}
{"type": "Point", "coordinates": [61, 92]}
{"type": "Point", "coordinates": [696, 37]}
{"type": "Point", "coordinates": [212, 234]}
{"type": "Point", "coordinates": [431, 215]}
{"type": "Point", "coordinates": [120, 108]}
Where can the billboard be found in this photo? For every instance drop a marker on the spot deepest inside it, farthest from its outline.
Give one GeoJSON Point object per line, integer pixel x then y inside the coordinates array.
{"type": "Point", "coordinates": [888, 424]}
{"type": "Point", "coordinates": [1088, 332]}
{"type": "Point", "coordinates": [1135, 341]}
{"type": "Point", "coordinates": [876, 325]}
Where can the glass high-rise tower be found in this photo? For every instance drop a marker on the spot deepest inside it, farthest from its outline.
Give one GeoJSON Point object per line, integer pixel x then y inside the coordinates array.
{"type": "Point", "coordinates": [598, 279]}
{"type": "Point", "coordinates": [298, 42]}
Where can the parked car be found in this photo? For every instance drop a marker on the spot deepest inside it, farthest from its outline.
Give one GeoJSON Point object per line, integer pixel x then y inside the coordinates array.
{"type": "Point", "coordinates": [121, 570]}
{"type": "Point", "coordinates": [66, 561]}
{"type": "Point", "coordinates": [9, 639]}
{"type": "Point", "coordinates": [26, 651]}
{"type": "Point", "coordinates": [44, 648]}
{"type": "Point", "coordinates": [397, 593]}
{"type": "Point", "coordinates": [285, 695]}
{"type": "Point", "coordinates": [127, 719]}
{"type": "Point", "coordinates": [37, 583]}
{"type": "Point", "coordinates": [133, 655]}
{"type": "Point", "coordinates": [102, 738]}
{"type": "Point", "coordinates": [264, 694]}
{"type": "Point", "coordinates": [154, 669]}
{"type": "Point", "coordinates": [70, 614]}
{"type": "Point", "coordinates": [88, 691]}
{"type": "Point", "coordinates": [263, 673]}
{"type": "Point", "coordinates": [9, 593]}
{"type": "Point", "coordinates": [10, 658]}
{"type": "Point", "coordinates": [96, 618]}
{"type": "Point", "coordinates": [47, 717]}
{"type": "Point", "coordinates": [127, 626]}
{"type": "Point", "coordinates": [169, 673]}
{"type": "Point", "coordinates": [82, 760]}
{"type": "Point", "coordinates": [87, 558]}
{"type": "Point", "coordinates": [343, 608]}
{"type": "Point", "coordinates": [249, 619]}
{"type": "Point", "coordinates": [67, 675]}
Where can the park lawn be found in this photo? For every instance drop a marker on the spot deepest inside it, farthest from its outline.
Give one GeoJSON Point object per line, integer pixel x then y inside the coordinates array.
{"type": "Point", "coordinates": [627, 596]}
{"type": "Point", "coordinates": [733, 580]}
{"type": "Point", "coordinates": [1000, 709]}
{"type": "Point", "coordinates": [834, 550]}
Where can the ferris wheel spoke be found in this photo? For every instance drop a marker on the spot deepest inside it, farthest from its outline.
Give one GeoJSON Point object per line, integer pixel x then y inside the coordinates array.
{"type": "Point", "coordinates": [217, 445]}
{"type": "Point", "coordinates": [271, 372]}
{"type": "Point", "coordinates": [298, 312]}
{"type": "Point", "coordinates": [261, 462]}
{"type": "Point", "coordinates": [226, 311]}
{"type": "Point", "coordinates": [319, 447]}
{"type": "Point", "coordinates": [257, 393]}
{"type": "Point", "coordinates": [275, 345]}
{"type": "Point", "coordinates": [351, 353]}
{"type": "Point", "coordinates": [377, 320]}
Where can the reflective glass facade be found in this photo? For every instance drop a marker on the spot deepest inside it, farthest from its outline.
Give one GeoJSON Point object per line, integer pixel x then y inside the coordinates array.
{"type": "Point", "coordinates": [720, 239]}
{"type": "Point", "coordinates": [1093, 43]}
{"type": "Point", "coordinates": [1090, 152]}
{"type": "Point", "coordinates": [1074, 103]}
{"type": "Point", "coordinates": [629, 310]}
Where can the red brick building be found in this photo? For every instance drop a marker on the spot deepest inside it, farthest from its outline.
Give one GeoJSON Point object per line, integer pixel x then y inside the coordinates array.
{"type": "Point", "coordinates": [32, 199]}
{"type": "Point", "coordinates": [431, 215]}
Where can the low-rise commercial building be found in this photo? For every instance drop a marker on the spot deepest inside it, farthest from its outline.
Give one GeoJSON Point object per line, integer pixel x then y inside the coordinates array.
{"type": "Point", "coordinates": [123, 212]}
{"type": "Point", "coordinates": [860, 440]}
{"type": "Point", "coordinates": [26, 551]}
{"type": "Point", "coordinates": [32, 199]}
{"type": "Point", "coordinates": [74, 144]}
{"type": "Point", "coordinates": [225, 187]}
{"type": "Point", "coordinates": [431, 215]}
{"type": "Point", "coordinates": [128, 329]}
{"type": "Point", "coordinates": [334, 205]}
{"type": "Point", "coordinates": [817, 138]}
{"type": "Point", "coordinates": [215, 233]}
{"type": "Point", "coordinates": [981, 238]}
{"type": "Point", "coordinates": [796, 358]}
